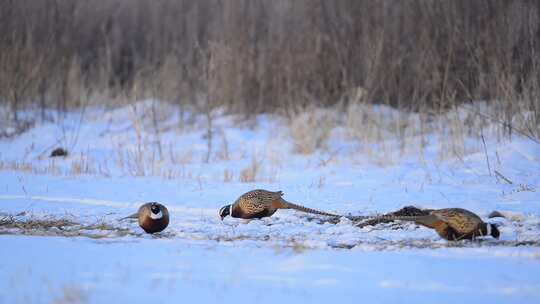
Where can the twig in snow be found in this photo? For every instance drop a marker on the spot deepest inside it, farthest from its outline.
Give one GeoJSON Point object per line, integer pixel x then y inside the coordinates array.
{"type": "Point", "coordinates": [324, 162]}
{"type": "Point", "coordinates": [485, 152]}
{"type": "Point", "coordinates": [504, 178]}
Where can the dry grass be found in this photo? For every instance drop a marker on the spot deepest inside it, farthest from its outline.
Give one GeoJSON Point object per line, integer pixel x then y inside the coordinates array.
{"type": "Point", "coordinates": [447, 56]}
{"type": "Point", "coordinates": [223, 153]}
{"type": "Point", "coordinates": [59, 226]}
{"type": "Point", "coordinates": [83, 165]}
{"type": "Point", "coordinates": [71, 294]}
{"type": "Point", "coordinates": [8, 222]}
{"type": "Point", "coordinates": [311, 128]}
{"type": "Point", "coordinates": [383, 134]}
{"type": "Point", "coordinates": [227, 176]}
{"type": "Point", "coordinates": [249, 174]}
{"type": "Point", "coordinates": [49, 168]}
{"type": "Point", "coordinates": [386, 134]}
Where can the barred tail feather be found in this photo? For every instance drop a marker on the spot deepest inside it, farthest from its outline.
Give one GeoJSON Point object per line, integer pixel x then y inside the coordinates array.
{"type": "Point", "coordinates": [309, 210]}
{"type": "Point", "coordinates": [361, 217]}
{"type": "Point", "coordinates": [397, 217]}
{"type": "Point", "coordinates": [133, 216]}
{"type": "Point", "coordinates": [407, 213]}
{"type": "Point", "coordinates": [368, 220]}
{"type": "Point", "coordinates": [424, 220]}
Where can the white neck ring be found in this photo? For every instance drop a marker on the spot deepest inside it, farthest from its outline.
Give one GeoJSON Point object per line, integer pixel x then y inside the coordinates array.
{"type": "Point", "coordinates": [156, 216]}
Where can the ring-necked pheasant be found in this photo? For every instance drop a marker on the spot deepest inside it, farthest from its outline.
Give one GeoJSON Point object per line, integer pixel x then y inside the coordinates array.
{"type": "Point", "coordinates": [451, 224]}
{"type": "Point", "coordinates": [262, 203]}
{"type": "Point", "coordinates": [153, 217]}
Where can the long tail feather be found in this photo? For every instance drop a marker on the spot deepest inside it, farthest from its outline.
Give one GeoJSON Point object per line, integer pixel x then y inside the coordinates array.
{"type": "Point", "coordinates": [424, 220]}
{"type": "Point", "coordinates": [355, 218]}
{"type": "Point", "coordinates": [386, 217]}
{"type": "Point", "coordinates": [133, 216]}
{"type": "Point", "coordinates": [398, 217]}
{"type": "Point", "coordinates": [408, 213]}
{"type": "Point", "coordinates": [309, 210]}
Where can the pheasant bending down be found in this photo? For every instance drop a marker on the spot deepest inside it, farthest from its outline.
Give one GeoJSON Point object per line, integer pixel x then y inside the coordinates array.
{"type": "Point", "coordinates": [153, 217]}
{"type": "Point", "coordinates": [260, 203]}
{"type": "Point", "coordinates": [452, 224]}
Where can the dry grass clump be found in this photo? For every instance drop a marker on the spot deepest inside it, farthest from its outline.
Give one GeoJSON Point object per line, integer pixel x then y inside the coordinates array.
{"type": "Point", "coordinates": [71, 294]}
{"type": "Point", "coordinates": [311, 128]}
{"type": "Point", "coordinates": [10, 221]}
{"type": "Point", "coordinates": [16, 166]}
{"type": "Point", "coordinates": [83, 165]}
{"type": "Point", "coordinates": [383, 133]}
{"type": "Point", "coordinates": [58, 226]}
{"type": "Point", "coordinates": [387, 134]}
{"type": "Point", "coordinates": [249, 174]}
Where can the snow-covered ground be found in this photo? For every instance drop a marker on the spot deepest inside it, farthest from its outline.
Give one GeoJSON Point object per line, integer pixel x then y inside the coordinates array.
{"type": "Point", "coordinates": [121, 158]}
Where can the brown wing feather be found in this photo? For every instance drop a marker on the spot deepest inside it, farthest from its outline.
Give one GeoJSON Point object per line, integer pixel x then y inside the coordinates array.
{"type": "Point", "coordinates": [430, 221]}
{"type": "Point", "coordinates": [256, 201]}
{"type": "Point", "coordinates": [461, 220]}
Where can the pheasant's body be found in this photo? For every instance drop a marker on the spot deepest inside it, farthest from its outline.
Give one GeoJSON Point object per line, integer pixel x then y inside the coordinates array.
{"type": "Point", "coordinates": [149, 222]}
{"type": "Point", "coordinates": [451, 223]}
{"type": "Point", "coordinates": [257, 204]}
{"type": "Point", "coordinates": [153, 217]}
{"type": "Point", "coordinates": [454, 223]}
{"type": "Point", "coordinates": [262, 203]}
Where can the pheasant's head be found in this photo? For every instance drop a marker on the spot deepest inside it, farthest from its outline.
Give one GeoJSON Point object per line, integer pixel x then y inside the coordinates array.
{"type": "Point", "coordinates": [493, 230]}
{"type": "Point", "coordinates": [224, 211]}
{"type": "Point", "coordinates": [155, 211]}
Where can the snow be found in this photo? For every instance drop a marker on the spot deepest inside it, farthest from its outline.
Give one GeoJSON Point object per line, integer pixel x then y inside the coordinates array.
{"type": "Point", "coordinates": [164, 270]}
{"type": "Point", "coordinates": [115, 165]}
